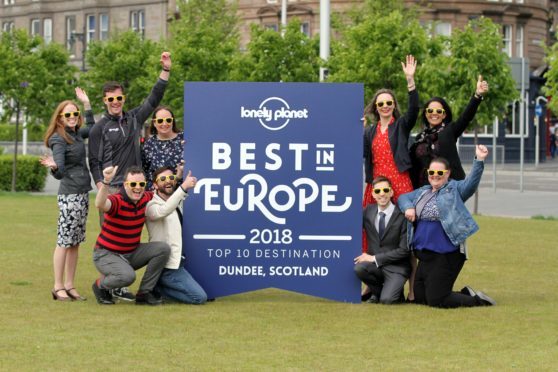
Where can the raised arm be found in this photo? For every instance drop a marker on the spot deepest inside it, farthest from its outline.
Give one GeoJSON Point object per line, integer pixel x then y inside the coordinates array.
{"type": "Point", "coordinates": [409, 68]}
{"type": "Point", "coordinates": [89, 118]}
{"type": "Point", "coordinates": [469, 185]}
{"type": "Point", "coordinates": [471, 110]}
{"type": "Point", "coordinates": [152, 101]}
{"type": "Point", "coordinates": [101, 200]}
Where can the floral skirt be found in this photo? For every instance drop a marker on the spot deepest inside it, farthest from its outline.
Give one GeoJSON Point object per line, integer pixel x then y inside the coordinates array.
{"type": "Point", "coordinates": [72, 219]}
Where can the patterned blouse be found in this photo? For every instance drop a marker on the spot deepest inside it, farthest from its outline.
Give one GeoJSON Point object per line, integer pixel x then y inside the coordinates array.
{"type": "Point", "coordinates": [157, 153]}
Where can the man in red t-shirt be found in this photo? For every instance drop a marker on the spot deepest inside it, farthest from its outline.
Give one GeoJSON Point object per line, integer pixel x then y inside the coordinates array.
{"type": "Point", "coordinates": [118, 251]}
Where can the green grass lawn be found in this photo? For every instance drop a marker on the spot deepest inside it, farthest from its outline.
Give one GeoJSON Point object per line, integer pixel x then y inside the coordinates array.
{"type": "Point", "coordinates": [513, 260]}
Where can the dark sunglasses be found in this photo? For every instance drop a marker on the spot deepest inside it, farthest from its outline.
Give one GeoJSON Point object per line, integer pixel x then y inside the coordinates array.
{"type": "Point", "coordinates": [432, 172]}
{"type": "Point", "coordinates": [161, 120]}
{"type": "Point", "coordinates": [111, 99]}
{"type": "Point", "coordinates": [386, 103]}
{"type": "Point", "coordinates": [135, 184]}
{"type": "Point", "coordinates": [172, 177]}
{"type": "Point", "coordinates": [439, 111]}
{"type": "Point", "coordinates": [69, 114]}
{"type": "Point", "coordinates": [386, 190]}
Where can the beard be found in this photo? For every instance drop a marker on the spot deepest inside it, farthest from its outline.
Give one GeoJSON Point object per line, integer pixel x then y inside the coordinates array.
{"type": "Point", "coordinates": [166, 190]}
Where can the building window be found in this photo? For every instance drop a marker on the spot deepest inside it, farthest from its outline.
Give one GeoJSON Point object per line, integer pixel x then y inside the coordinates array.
{"type": "Point", "coordinates": [8, 26]}
{"type": "Point", "coordinates": [519, 41]}
{"type": "Point", "coordinates": [305, 28]}
{"type": "Point", "coordinates": [443, 29]}
{"type": "Point", "coordinates": [35, 27]}
{"type": "Point", "coordinates": [507, 40]}
{"type": "Point", "coordinates": [271, 26]}
{"type": "Point", "coordinates": [70, 29]}
{"type": "Point", "coordinates": [103, 26]}
{"type": "Point", "coordinates": [9, 2]}
{"type": "Point", "coordinates": [47, 30]}
{"type": "Point", "coordinates": [90, 28]}
{"type": "Point", "coordinates": [272, 1]}
{"type": "Point", "coordinates": [137, 21]}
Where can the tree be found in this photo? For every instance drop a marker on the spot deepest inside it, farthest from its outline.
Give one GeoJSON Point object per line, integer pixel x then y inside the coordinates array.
{"type": "Point", "coordinates": [272, 57]}
{"type": "Point", "coordinates": [35, 76]}
{"type": "Point", "coordinates": [475, 50]}
{"type": "Point", "coordinates": [373, 42]}
{"type": "Point", "coordinates": [203, 40]}
{"type": "Point", "coordinates": [126, 58]}
{"type": "Point", "coordinates": [551, 86]}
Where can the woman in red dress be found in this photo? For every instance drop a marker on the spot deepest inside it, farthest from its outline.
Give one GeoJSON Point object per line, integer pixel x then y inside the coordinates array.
{"type": "Point", "coordinates": [386, 140]}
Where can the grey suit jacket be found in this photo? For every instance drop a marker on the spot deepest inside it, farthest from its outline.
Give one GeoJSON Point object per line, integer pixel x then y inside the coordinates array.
{"type": "Point", "coordinates": [391, 251]}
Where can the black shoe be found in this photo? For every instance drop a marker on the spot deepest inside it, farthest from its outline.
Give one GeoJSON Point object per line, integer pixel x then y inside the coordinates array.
{"type": "Point", "coordinates": [468, 291]}
{"type": "Point", "coordinates": [148, 298]}
{"type": "Point", "coordinates": [123, 294]}
{"type": "Point", "coordinates": [103, 296]}
{"type": "Point", "coordinates": [373, 299]}
{"type": "Point", "coordinates": [484, 299]}
{"type": "Point", "coordinates": [365, 297]}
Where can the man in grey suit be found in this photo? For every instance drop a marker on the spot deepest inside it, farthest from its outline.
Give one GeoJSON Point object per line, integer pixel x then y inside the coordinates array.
{"type": "Point", "coordinates": [385, 267]}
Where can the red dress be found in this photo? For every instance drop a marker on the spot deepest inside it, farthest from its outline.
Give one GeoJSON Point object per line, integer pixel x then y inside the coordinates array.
{"type": "Point", "coordinates": [384, 165]}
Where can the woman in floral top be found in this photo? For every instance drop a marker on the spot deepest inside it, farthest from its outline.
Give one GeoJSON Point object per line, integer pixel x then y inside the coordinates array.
{"type": "Point", "coordinates": [166, 145]}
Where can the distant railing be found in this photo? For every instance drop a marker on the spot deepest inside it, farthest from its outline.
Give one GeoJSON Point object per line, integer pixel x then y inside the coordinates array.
{"type": "Point", "coordinates": [467, 154]}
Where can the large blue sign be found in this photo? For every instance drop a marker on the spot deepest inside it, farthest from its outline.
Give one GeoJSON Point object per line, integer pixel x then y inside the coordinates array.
{"type": "Point", "coordinates": [279, 197]}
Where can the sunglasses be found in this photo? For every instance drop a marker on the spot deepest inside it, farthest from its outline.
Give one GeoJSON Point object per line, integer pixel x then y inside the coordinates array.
{"type": "Point", "coordinates": [172, 177]}
{"type": "Point", "coordinates": [385, 190]}
{"type": "Point", "coordinates": [439, 111]}
{"type": "Point", "coordinates": [133, 184]}
{"type": "Point", "coordinates": [384, 103]}
{"type": "Point", "coordinates": [432, 172]}
{"type": "Point", "coordinates": [161, 120]}
{"type": "Point", "coordinates": [111, 99]}
{"type": "Point", "coordinates": [69, 114]}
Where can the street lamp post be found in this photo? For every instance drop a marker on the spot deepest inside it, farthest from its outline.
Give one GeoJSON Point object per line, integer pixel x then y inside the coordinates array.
{"type": "Point", "coordinates": [537, 127]}
{"type": "Point", "coordinates": [23, 84]}
{"type": "Point", "coordinates": [324, 35]}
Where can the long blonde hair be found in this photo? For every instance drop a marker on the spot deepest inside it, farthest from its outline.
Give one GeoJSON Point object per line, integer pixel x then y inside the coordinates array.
{"type": "Point", "coordinates": [56, 124]}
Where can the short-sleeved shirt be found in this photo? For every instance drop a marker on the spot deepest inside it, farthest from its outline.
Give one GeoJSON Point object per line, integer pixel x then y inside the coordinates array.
{"type": "Point", "coordinates": [121, 230]}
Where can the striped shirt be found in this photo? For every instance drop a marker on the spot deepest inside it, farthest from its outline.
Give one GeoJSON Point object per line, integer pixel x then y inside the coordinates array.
{"type": "Point", "coordinates": [121, 230]}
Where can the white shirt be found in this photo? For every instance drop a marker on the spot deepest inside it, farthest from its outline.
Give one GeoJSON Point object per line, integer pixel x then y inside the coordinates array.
{"type": "Point", "coordinates": [388, 212]}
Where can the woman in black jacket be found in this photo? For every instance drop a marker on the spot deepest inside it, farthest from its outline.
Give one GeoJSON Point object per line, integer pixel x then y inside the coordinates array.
{"type": "Point", "coordinates": [64, 136]}
{"type": "Point", "coordinates": [439, 139]}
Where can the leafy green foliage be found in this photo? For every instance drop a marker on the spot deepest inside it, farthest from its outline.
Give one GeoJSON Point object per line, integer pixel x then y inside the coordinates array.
{"type": "Point", "coordinates": [35, 75]}
{"type": "Point", "coordinates": [372, 44]}
{"type": "Point", "coordinates": [551, 87]}
{"type": "Point", "coordinates": [472, 51]}
{"type": "Point", "coordinates": [203, 41]}
{"type": "Point", "coordinates": [272, 57]}
{"type": "Point", "coordinates": [31, 175]}
{"type": "Point", "coordinates": [35, 132]}
{"type": "Point", "coordinates": [127, 59]}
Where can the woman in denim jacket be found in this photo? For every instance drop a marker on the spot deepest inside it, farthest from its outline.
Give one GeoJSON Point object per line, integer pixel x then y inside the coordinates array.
{"type": "Point", "coordinates": [441, 224]}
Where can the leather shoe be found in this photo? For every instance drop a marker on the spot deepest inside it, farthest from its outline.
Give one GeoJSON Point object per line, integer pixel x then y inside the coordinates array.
{"type": "Point", "coordinates": [373, 299]}
{"type": "Point", "coordinates": [103, 296]}
{"type": "Point", "coordinates": [148, 298]}
{"type": "Point", "coordinates": [484, 299]}
{"type": "Point", "coordinates": [56, 297]}
{"type": "Point", "coordinates": [468, 291]}
{"type": "Point", "coordinates": [76, 296]}
{"type": "Point", "coordinates": [365, 297]}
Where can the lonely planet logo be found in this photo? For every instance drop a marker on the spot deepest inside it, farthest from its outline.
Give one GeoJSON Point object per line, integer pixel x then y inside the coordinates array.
{"type": "Point", "coordinates": [274, 113]}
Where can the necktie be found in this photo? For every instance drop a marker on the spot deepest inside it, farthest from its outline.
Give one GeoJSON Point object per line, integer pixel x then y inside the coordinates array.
{"type": "Point", "coordinates": [382, 225]}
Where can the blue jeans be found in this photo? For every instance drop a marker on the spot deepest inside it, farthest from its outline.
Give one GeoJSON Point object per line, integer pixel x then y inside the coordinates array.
{"type": "Point", "coordinates": [180, 286]}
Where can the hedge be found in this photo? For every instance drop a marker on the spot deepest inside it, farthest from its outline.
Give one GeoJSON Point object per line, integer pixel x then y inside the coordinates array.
{"type": "Point", "coordinates": [31, 175]}
{"type": "Point", "coordinates": [35, 133]}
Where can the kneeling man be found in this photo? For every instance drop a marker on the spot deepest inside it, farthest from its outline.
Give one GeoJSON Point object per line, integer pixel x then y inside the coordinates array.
{"type": "Point", "coordinates": [385, 267]}
{"type": "Point", "coordinates": [118, 252]}
{"type": "Point", "coordinates": [164, 223]}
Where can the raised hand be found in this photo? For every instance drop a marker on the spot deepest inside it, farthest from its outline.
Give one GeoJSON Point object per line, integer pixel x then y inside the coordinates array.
{"type": "Point", "coordinates": [482, 86]}
{"type": "Point", "coordinates": [409, 67]}
{"type": "Point", "coordinates": [83, 98]}
{"type": "Point", "coordinates": [481, 152]}
{"type": "Point", "coordinates": [166, 61]}
{"type": "Point", "coordinates": [189, 182]}
{"type": "Point", "coordinates": [109, 173]}
{"type": "Point", "coordinates": [48, 161]}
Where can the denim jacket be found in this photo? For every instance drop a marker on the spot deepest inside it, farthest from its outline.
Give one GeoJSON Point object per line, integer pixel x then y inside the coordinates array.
{"type": "Point", "coordinates": [457, 222]}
